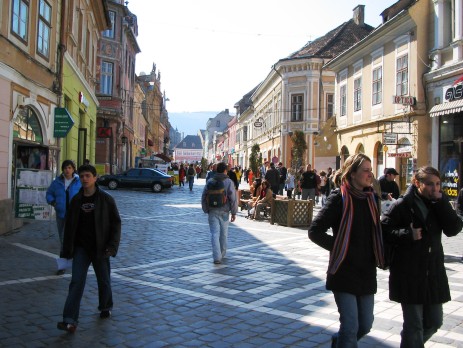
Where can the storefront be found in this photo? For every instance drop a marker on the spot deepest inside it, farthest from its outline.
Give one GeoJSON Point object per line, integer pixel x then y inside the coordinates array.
{"type": "Point", "coordinates": [448, 119]}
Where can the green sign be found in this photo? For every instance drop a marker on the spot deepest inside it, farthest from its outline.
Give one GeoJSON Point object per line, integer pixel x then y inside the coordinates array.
{"type": "Point", "coordinates": [63, 123]}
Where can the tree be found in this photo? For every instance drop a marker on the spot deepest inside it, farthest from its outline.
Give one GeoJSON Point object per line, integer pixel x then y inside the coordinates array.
{"type": "Point", "coordinates": [204, 165]}
{"type": "Point", "coordinates": [255, 158]}
{"type": "Point", "coordinates": [298, 150]}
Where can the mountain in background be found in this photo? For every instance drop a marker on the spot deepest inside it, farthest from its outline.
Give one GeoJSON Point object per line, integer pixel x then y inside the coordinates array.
{"type": "Point", "coordinates": [189, 123]}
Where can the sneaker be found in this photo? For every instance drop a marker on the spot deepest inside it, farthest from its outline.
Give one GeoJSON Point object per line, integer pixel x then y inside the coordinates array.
{"type": "Point", "coordinates": [217, 262]}
{"type": "Point", "coordinates": [71, 328]}
{"type": "Point", "coordinates": [105, 314]}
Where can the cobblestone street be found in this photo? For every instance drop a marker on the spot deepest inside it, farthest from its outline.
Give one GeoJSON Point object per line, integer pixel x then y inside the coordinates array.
{"type": "Point", "coordinates": [269, 292]}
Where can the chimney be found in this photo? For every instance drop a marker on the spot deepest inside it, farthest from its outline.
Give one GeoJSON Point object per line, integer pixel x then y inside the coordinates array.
{"type": "Point", "coordinates": [359, 15]}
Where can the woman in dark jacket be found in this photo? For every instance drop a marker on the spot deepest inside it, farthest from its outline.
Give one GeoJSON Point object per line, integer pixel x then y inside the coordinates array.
{"type": "Point", "coordinates": [418, 281]}
{"type": "Point", "coordinates": [356, 248]}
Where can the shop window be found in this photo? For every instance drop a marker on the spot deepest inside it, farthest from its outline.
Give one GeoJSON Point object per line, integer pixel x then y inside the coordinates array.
{"type": "Point", "coordinates": [27, 127]}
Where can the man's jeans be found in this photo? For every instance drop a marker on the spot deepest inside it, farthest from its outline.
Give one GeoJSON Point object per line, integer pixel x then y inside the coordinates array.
{"type": "Point", "coordinates": [191, 180]}
{"type": "Point", "coordinates": [281, 188]}
{"type": "Point", "coordinates": [355, 316]}
{"type": "Point", "coordinates": [420, 323]}
{"type": "Point", "coordinates": [218, 225]}
{"type": "Point", "coordinates": [308, 194]}
{"type": "Point", "coordinates": [80, 264]}
{"type": "Point", "coordinates": [60, 226]}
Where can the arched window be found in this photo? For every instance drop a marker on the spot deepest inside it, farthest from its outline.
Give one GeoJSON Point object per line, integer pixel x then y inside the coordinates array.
{"type": "Point", "coordinates": [27, 127]}
{"type": "Point", "coordinates": [344, 153]}
{"type": "Point", "coordinates": [360, 149]}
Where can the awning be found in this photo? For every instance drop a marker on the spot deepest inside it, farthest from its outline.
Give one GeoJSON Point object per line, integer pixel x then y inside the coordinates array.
{"type": "Point", "coordinates": [447, 108]}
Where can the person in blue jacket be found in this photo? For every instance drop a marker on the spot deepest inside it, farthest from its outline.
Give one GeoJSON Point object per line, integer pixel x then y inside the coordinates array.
{"type": "Point", "coordinates": [59, 195]}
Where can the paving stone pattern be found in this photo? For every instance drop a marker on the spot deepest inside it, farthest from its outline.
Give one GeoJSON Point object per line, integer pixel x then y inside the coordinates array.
{"type": "Point", "coordinates": [268, 292]}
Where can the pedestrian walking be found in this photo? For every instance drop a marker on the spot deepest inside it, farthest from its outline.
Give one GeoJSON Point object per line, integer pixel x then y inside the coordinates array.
{"type": "Point", "coordinates": [283, 172]}
{"type": "Point", "coordinates": [218, 200]}
{"type": "Point", "coordinates": [191, 173]}
{"type": "Point", "coordinates": [289, 183]}
{"type": "Point", "coordinates": [418, 281]}
{"type": "Point", "coordinates": [389, 188]}
{"type": "Point", "coordinates": [355, 247]}
{"type": "Point", "coordinates": [198, 171]}
{"type": "Point", "coordinates": [273, 177]}
{"type": "Point", "coordinates": [91, 235]}
{"type": "Point", "coordinates": [212, 171]}
{"type": "Point", "coordinates": [181, 176]}
{"type": "Point", "coordinates": [59, 195]}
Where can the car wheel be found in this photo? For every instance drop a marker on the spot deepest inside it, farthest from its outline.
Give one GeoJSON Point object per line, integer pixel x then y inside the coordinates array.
{"type": "Point", "coordinates": [112, 185]}
{"type": "Point", "coordinates": [157, 187]}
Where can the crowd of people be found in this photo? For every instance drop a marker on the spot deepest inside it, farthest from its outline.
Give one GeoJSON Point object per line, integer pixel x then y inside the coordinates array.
{"type": "Point", "coordinates": [406, 239]}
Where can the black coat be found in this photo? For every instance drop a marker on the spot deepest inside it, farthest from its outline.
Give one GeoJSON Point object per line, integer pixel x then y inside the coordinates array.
{"type": "Point", "coordinates": [417, 271]}
{"type": "Point", "coordinates": [107, 224]}
{"type": "Point", "coordinates": [357, 273]}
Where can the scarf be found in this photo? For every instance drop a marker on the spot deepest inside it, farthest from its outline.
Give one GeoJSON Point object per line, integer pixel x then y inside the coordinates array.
{"type": "Point", "coordinates": [341, 243]}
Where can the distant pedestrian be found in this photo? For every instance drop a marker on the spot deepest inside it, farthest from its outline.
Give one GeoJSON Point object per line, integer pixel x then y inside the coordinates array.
{"type": "Point", "coordinates": [389, 188]}
{"type": "Point", "coordinates": [355, 246]}
{"type": "Point", "coordinates": [218, 200]}
{"type": "Point", "coordinates": [289, 183]}
{"type": "Point", "coordinates": [198, 171]}
{"type": "Point", "coordinates": [212, 172]}
{"type": "Point", "coordinates": [418, 280]}
{"type": "Point", "coordinates": [59, 195]}
{"type": "Point", "coordinates": [191, 173]}
{"type": "Point", "coordinates": [283, 172]}
{"type": "Point", "coordinates": [91, 235]}
{"type": "Point", "coordinates": [273, 178]}
{"type": "Point", "coordinates": [232, 176]}
{"type": "Point", "coordinates": [309, 183]}
{"type": "Point", "coordinates": [181, 176]}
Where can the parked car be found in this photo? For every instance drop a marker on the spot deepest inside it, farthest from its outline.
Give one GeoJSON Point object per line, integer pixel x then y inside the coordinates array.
{"type": "Point", "coordinates": [138, 178]}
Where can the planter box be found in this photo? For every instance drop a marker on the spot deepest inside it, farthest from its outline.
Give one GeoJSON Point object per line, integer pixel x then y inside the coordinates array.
{"type": "Point", "coordinates": [291, 212]}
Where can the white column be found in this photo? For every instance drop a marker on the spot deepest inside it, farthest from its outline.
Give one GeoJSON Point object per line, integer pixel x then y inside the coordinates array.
{"type": "Point", "coordinates": [439, 24]}
{"type": "Point", "coordinates": [458, 35]}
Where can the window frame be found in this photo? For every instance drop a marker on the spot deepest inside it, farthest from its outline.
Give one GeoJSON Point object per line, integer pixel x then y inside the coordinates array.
{"type": "Point", "coordinates": [377, 86]}
{"type": "Point", "coordinates": [297, 107]}
{"type": "Point", "coordinates": [47, 25]}
{"type": "Point", "coordinates": [17, 31]}
{"type": "Point", "coordinates": [358, 93]}
{"type": "Point", "coordinates": [329, 105]}
{"type": "Point", "coordinates": [110, 33]}
{"type": "Point", "coordinates": [402, 71]}
{"type": "Point", "coordinates": [104, 76]}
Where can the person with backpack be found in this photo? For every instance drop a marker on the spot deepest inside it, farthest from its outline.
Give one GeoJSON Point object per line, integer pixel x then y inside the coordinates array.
{"type": "Point", "coordinates": [191, 173]}
{"type": "Point", "coordinates": [218, 201]}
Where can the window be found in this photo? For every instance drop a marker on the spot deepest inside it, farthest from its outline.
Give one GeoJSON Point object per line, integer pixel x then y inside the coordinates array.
{"type": "Point", "coordinates": [358, 94]}
{"type": "Point", "coordinates": [329, 105]}
{"type": "Point", "coordinates": [106, 79]}
{"type": "Point", "coordinates": [110, 32]}
{"type": "Point", "coordinates": [343, 100]}
{"type": "Point", "coordinates": [377, 92]}
{"type": "Point", "coordinates": [44, 28]}
{"type": "Point", "coordinates": [217, 123]}
{"type": "Point", "coordinates": [402, 75]}
{"type": "Point", "coordinates": [297, 105]}
{"type": "Point", "coordinates": [20, 18]}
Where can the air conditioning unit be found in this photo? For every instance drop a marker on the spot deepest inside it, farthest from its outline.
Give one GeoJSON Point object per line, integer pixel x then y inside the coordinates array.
{"type": "Point", "coordinates": [22, 101]}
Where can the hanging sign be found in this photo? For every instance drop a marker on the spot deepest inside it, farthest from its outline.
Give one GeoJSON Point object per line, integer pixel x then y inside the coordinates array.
{"type": "Point", "coordinates": [63, 123]}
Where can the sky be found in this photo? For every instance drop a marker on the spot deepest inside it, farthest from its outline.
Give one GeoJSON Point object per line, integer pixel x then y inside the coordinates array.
{"type": "Point", "coordinates": [210, 53]}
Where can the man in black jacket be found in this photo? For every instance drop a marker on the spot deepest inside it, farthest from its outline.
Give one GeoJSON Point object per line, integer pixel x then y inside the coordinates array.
{"type": "Point", "coordinates": [273, 177]}
{"type": "Point", "coordinates": [283, 172]}
{"type": "Point", "coordinates": [92, 234]}
{"type": "Point", "coordinates": [389, 188]}
{"type": "Point", "coordinates": [418, 280]}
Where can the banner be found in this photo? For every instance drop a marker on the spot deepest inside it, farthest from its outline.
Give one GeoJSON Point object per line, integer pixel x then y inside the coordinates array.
{"type": "Point", "coordinates": [30, 194]}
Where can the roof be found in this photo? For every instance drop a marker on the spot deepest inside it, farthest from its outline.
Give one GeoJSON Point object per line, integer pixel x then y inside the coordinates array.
{"type": "Point", "coordinates": [334, 42]}
{"type": "Point", "coordinates": [244, 103]}
{"type": "Point", "coordinates": [396, 8]}
{"type": "Point", "coordinates": [190, 142]}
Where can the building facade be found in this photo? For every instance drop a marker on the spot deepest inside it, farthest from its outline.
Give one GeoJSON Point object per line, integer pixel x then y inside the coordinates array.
{"type": "Point", "coordinates": [380, 100]}
{"type": "Point", "coordinates": [117, 50]}
{"type": "Point", "coordinates": [189, 150]}
{"type": "Point", "coordinates": [444, 89]}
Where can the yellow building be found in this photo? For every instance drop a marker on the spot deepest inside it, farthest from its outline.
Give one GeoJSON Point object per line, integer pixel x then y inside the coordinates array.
{"type": "Point", "coordinates": [380, 100]}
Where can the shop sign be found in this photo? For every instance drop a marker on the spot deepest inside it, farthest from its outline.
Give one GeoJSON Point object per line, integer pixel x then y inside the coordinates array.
{"type": "Point", "coordinates": [450, 184]}
{"type": "Point", "coordinates": [104, 132]}
{"type": "Point", "coordinates": [454, 93]}
{"type": "Point", "coordinates": [389, 138]}
{"type": "Point", "coordinates": [63, 123]}
{"type": "Point", "coordinates": [83, 100]}
{"type": "Point", "coordinates": [403, 99]}
{"type": "Point", "coordinates": [400, 154]}
{"type": "Point", "coordinates": [259, 123]}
